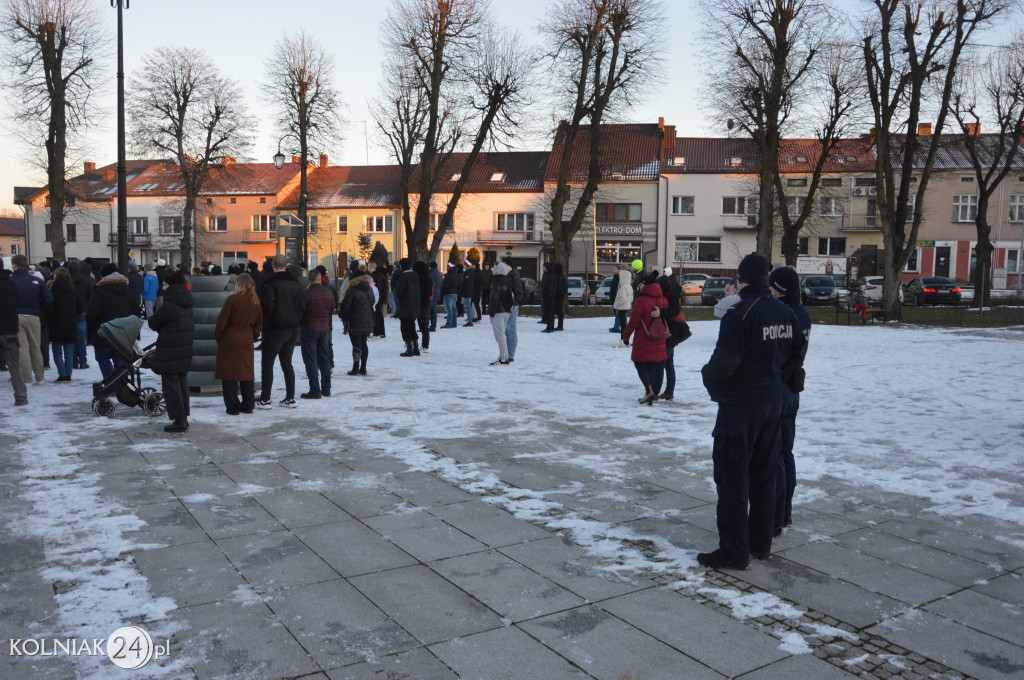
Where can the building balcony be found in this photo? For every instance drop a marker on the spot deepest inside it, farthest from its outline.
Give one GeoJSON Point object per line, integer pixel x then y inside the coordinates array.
{"type": "Point", "coordinates": [739, 221]}
{"type": "Point", "coordinates": [509, 237]}
{"type": "Point", "coordinates": [860, 223]}
{"type": "Point", "coordinates": [134, 239]}
{"type": "Point", "coordinates": [236, 236]}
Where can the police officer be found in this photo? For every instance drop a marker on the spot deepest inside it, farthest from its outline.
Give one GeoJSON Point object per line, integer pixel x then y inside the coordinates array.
{"type": "Point", "coordinates": [785, 286]}
{"type": "Point", "coordinates": [759, 342]}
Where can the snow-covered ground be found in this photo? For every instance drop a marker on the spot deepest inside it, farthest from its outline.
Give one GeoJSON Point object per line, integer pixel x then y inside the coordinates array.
{"type": "Point", "coordinates": [930, 413]}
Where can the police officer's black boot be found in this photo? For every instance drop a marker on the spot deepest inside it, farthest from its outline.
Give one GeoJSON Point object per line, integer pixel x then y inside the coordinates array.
{"type": "Point", "coordinates": [408, 350]}
{"type": "Point", "coordinates": [416, 348]}
{"type": "Point", "coordinates": [355, 362]}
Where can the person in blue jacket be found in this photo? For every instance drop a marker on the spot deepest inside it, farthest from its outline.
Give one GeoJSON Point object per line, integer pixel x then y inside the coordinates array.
{"type": "Point", "coordinates": [760, 346]}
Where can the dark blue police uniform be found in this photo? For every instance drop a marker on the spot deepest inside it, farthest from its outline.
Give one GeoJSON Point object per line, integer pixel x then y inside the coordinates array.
{"type": "Point", "coordinates": [759, 340]}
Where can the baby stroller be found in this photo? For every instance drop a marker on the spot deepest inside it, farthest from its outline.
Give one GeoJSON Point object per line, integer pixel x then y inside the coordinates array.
{"type": "Point", "coordinates": [125, 383]}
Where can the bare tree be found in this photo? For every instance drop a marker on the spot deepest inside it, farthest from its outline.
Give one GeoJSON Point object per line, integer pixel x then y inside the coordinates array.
{"type": "Point", "coordinates": [181, 106]}
{"type": "Point", "coordinates": [472, 82]}
{"type": "Point", "coordinates": [50, 73]}
{"type": "Point", "coordinates": [602, 55]}
{"type": "Point", "coordinates": [993, 86]}
{"type": "Point", "coordinates": [299, 80]}
{"type": "Point", "coordinates": [767, 60]}
{"type": "Point", "coordinates": [908, 45]}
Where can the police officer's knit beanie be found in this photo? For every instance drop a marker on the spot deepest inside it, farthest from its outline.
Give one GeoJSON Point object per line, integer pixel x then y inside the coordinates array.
{"type": "Point", "coordinates": [753, 269]}
{"type": "Point", "coordinates": [176, 278]}
{"type": "Point", "coordinates": [784, 280]}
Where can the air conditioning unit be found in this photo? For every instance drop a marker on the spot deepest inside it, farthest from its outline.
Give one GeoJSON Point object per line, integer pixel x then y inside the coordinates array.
{"type": "Point", "coordinates": [872, 191]}
{"type": "Point", "coordinates": [858, 191]}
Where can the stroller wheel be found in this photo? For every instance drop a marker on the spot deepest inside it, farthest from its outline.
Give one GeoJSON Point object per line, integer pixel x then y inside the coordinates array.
{"type": "Point", "coordinates": [103, 407]}
{"type": "Point", "coordinates": [154, 403]}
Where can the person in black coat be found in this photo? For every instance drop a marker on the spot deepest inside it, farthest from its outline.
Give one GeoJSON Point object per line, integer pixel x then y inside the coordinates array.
{"type": "Point", "coordinates": [449, 295]}
{"type": "Point", "coordinates": [547, 296]}
{"type": "Point", "coordinates": [427, 300]}
{"type": "Point", "coordinates": [357, 313]}
{"type": "Point", "coordinates": [407, 295]}
{"type": "Point", "coordinates": [135, 283]}
{"type": "Point", "coordinates": [173, 356]}
{"type": "Point", "coordinates": [62, 319]}
{"type": "Point", "coordinates": [478, 289]}
{"type": "Point", "coordinates": [466, 292]}
{"type": "Point", "coordinates": [10, 350]}
{"type": "Point", "coordinates": [284, 302]}
{"type": "Point", "coordinates": [111, 299]}
{"type": "Point", "coordinates": [257, 278]}
{"type": "Point", "coordinates": [380, 279]}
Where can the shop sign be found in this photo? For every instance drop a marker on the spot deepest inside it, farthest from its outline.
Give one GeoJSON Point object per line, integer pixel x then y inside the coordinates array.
{"type": "Point", "coordinates": [620, 230]}
{"type": "Point", "coordinates": [821, 265]}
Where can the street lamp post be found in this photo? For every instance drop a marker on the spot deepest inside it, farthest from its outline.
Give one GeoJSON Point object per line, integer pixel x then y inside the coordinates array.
{"type": "Point", "coordinates": [122, 169]}
{"type": "Point", "coordinates": [279, 159]}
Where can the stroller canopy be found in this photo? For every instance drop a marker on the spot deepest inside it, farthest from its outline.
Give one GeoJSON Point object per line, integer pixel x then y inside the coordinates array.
{"type": "Point", "coordinates": [122, 334]}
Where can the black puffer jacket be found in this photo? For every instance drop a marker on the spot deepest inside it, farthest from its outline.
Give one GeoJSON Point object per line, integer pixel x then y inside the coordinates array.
{"type": "Point", "coordinates": [407, 291]}
{"type": "Point", "coordinates": [175, 332]}
{"type": "Point", "coordinates": [62, 316]}
{"type": "Point", "coordinates": [284, 300]}
{"type": "Point", "coordinates": [111, 299]}
{"type": "Point", "coordinates": [357, 307]}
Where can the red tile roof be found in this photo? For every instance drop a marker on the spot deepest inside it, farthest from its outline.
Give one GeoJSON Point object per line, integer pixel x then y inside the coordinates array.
{"type": "Point", "coordinates": [496, 172]}
{"type": "Point", "coordinates": [12, 226]}
{"type": "Point", "coordinates": [738, 155]}
{"type": "Point", "coordinates": [96, 186]}
{"type": "Point", "coordinates": [629, 153]}
{"type": "Point", "coordinates": [250, 179]}
{"type": "Point", "coordinates": [349, 186]}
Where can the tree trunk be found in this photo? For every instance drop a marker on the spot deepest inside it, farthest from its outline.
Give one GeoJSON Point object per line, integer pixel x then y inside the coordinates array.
{"type": "Point", "coordinates": [56, 148]}
{"type": "Point", "coordinates": [983, 253]}
{"type": "Point", "coordinates": [791, 245]}
{"type": "Point", "coordinates": [893, 271]}
{"type": "Point", "coordinates": [187, 231]}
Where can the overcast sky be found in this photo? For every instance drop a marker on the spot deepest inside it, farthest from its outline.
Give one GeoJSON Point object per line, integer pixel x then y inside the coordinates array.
{"type": "Point", "coordinates": [239, 35]}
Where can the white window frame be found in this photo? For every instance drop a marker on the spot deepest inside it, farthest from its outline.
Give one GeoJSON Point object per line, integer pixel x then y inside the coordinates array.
{"type": "Point", "coordinates": [264, 223]}
{"type": "Point", "coordinates": [913, 265]}
{"type": "Point", "coordinates": [1016, 208]}
{"type": "Point", "coordinates": [314, 224]}
{"type": "Point", "coordinates": [833, 206]}
{"type": "Point", "coordinates": [965, 208]}
{"type": "Point", "coordinates": [523, 221]}
{"type": "Point", "coordinates": [217, 223]}
{"type": "Point", "coordinates": [688, 248]}
{"type": "Point", "coordinates": [679, 205]}
{"type": "Point", "coordinates": [742, 205]}
{"type": "Point", "coordinates": [342, 224]}
{"type": "Point", "coordinates": [138, 225]}
{"type": "Point", "coordinates": [827, 240]}
{"type": "Point", "coordinates": [1015, 252]}
{"type": "Point", "coordinates": [379, 224]}
{"type": "Point", "coordinates": [795, 205]}
{"type": "Point", "coordinates": [173, 220]}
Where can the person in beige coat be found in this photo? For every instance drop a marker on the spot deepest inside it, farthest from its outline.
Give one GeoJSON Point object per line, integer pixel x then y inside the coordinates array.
{"type": "Point", "coordinates": [238, 328]}
{"type": "Point", "coordinates": [623, 298]}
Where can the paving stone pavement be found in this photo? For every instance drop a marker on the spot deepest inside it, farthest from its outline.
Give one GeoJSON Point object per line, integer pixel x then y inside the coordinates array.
{"type": "Point", "coordinates": [316, 556]}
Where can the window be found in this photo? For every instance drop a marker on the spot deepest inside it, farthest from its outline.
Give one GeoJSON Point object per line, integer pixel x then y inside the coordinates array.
{"type": "Point", "coordinates": [833, 206]}
{"type": "Point", "coordinates": [912, 262]}
{"type": "Point", "coordinates": [619, 212]}
{"type": "Point", "coordinates": [515, 221]}
{"type": "Point", "coordinates": [965, 207]}
{"type": "Point", "coordinates": [797, 182]}
{"type": "Point", "coordinates": [379, 223]}
{"type": "Point", "coordinates": [864, 182]}
{"type": "Point", "coordinates": [266, 223]}
{"type": "Point", "coordinates": [72, 233]}
{"type": "Point", "coordinates": [802, 245]}
{"type": "Point", "coordinates": [618, 252]}
{"type": "Point", "coordinates": [682, 205]}
{"type": "Point", "coordinates": [234, 200]}
{"type": "Point", "coordinates": [48, 230]}
{"type": "Point", "coordinates": [435, 221]}
{"type": "Point", "coordinates": [170, 226]}
{"type": "Point", "coordinates": [911, 205]}
{"type": "Point", "coordinates": [698, 249]}
{"type": "Point", "coordinates": [263, 199]}
{"type": "Point", "coordinates": [831, 181]}
{"type": "Point", "coordinates": [209, 201]}
{"type": "Point", "coordinates": [138, 225]}
{"type": "Point", "coordinates": [1012, 261]}
{"type": "Point", "coordinates": [313, 224]}
{"type": "Point", "coordinates": [832, 246]}
{"type": "Point", "coordinates": [795, 205]}
{"type": "Point", "coordinates": [15, 249]}
{"type": "Point", "coordinates": [342, 224]}
{"type": "Point", "coordinates": [455, 177]}
{"type": "Point", "coordinates": [95, 233]}
{"type": "Point", "coordinates": [967, 179]}
{"type": "Point", "coordinates": [739, 205]}
{"type": "Point", "coordinates": [217, 223]}
{"type": "Point", "coordinates": [497, 177]}
{"type": "Point", "coordinates": [1017, 207]}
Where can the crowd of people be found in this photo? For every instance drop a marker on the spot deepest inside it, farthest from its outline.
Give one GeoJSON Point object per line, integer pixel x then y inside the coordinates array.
{"type": "Point", "coordinates": [755, 374]}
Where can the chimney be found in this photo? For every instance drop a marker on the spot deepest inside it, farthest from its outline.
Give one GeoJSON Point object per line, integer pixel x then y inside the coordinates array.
{"type": "Point", "coordinates": [296, 159]}
{"type": "Point", "coordinates": [109, 175]}
{"type": "Point", "coordinates": [323, 160]}
{"type": "Point", "coordinates": [90, 168]}
{"type": "Point", "coordinates": [874, 132]}
{"type": "Point", "coordinates": [228, 161]}
{"type": "Point", "coordinates": [973, 129]}
{"type": "Point", "coordinates": [661, 122]}
{"type": "Point", "coordinates": [924, 129]}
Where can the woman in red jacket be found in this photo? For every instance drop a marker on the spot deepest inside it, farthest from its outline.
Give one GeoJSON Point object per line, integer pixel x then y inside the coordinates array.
{"type": "Point", "coordinates": [648, 355]}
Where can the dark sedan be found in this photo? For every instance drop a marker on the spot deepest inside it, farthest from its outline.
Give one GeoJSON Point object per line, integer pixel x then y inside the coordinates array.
{"type": "Point", "coordinates": [818, 290]}
{"type": "Point", "coordinates": [932, 290]}
{"type": "Point", "coordinates": [714, 290]}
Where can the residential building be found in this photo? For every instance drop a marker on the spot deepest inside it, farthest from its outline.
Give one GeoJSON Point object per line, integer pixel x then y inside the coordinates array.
{"type": "Point", "coordinates": [12, 238]}
{"type": "Point", "coordinates": [344, 202]}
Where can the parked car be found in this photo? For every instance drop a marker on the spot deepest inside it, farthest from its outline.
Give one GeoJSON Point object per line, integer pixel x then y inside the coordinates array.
{"type": "Point", "coordinates": [604, 291]}
{"type": "Point", "coordinates": [531, 291]}
{"type": "Point", "coordinates": [820, 290]}
{"type": "Point", "coordinates": [577, 291]}
{"type": "Point", "coordinates": [593, 280]}
{"type": "Point", "coordinates": [693, 284]}
{"type": "Point", "coordinates": [932, 290]}
{"type": "Point", "coordinates": [714, 290]}
{"type": "Point", "coordinates": [873, 288]}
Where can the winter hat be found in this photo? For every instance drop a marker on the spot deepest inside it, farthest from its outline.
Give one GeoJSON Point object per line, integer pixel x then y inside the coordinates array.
{"type": "Point", "coordinates": [502, 269]}
{"type": "Point", "coordinates": [667, 271]}
{"type": "Point", "coordinates": [161, 262]}
{"type": "Point", "coordinates": [74, 267]}
{"type": "Point", "coordinates": [405, 263]}
{"type": "Point", "coordinates": [108, 269]}
{"type": "Point", "coordinates": [753, 269]}
{"type": "Point", "coordinates": [638, 266]}
{"type": "Point", "coordinates": [784, 280]}
{"type": "Point", "coordinates": [132, 267]}
{"type": "Point", "coordinates": [176, 278]}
